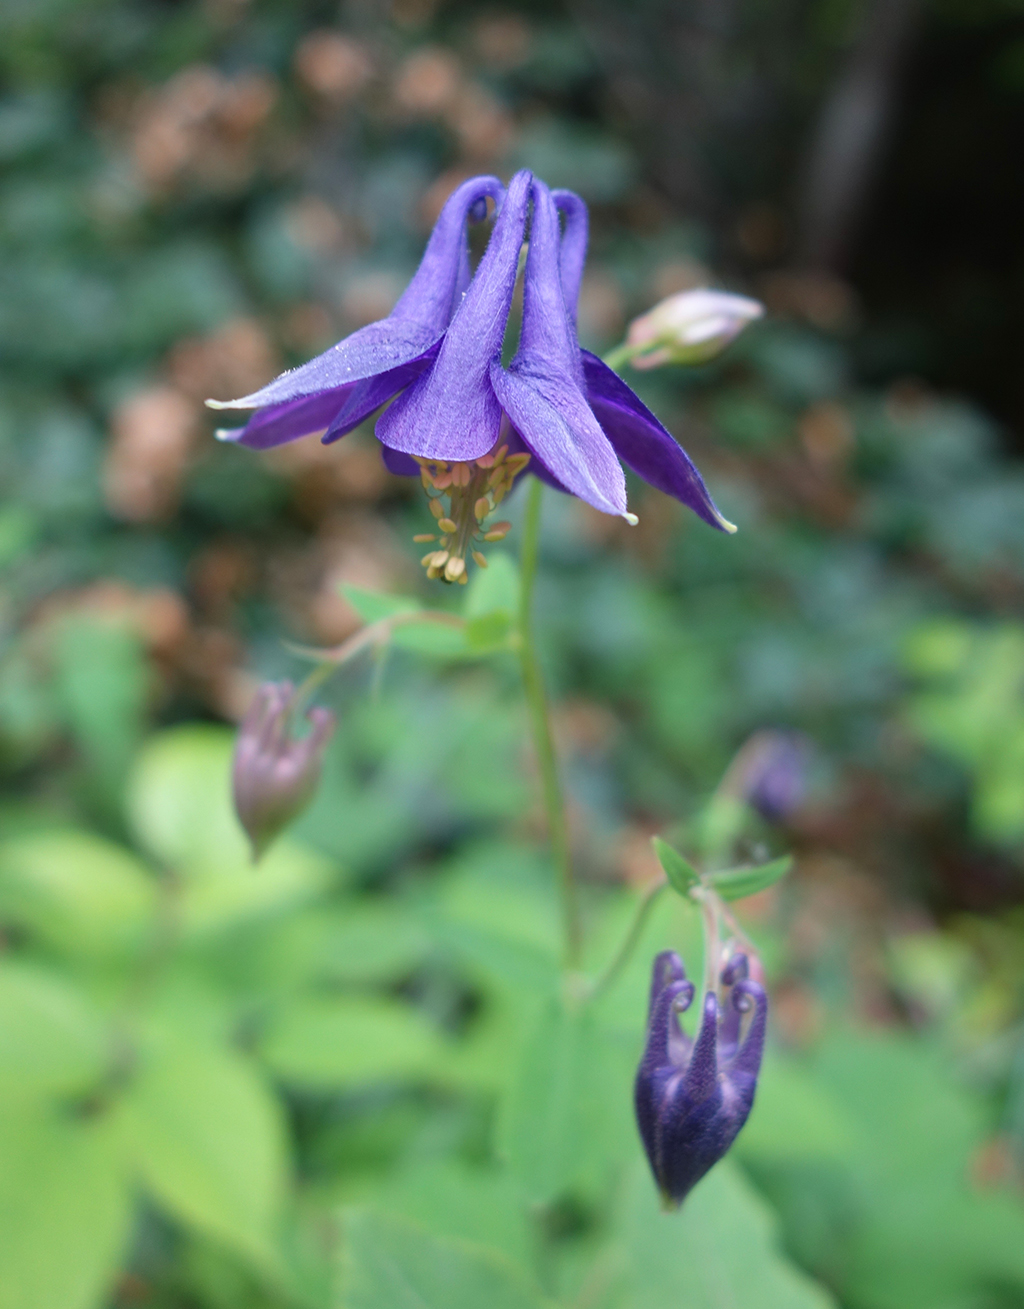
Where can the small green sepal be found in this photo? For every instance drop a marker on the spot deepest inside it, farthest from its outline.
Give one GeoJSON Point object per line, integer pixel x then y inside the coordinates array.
{"type": "Point", "coordinates": [681, 874]}
{"type": "Point", "coordinates": [735, 883]}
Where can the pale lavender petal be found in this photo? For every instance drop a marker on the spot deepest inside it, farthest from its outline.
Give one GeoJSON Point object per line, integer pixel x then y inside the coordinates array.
{"type": "Point", "coordinates": [369, 395]}
{"type": "Point", "coordinates": [280, 423]}
{"type": "Point", "coordinates": [451, 412]}
{"type": "Point", "coordinates": [574, 247]}
{"type": "Point", "coordinates": [417, 321]}
{"type": "Point", "coordinates": [644, 444]}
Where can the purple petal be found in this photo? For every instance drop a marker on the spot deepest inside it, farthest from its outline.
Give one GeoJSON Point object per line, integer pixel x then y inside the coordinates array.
{"type": "Point", "coordinates": [288, 421]}
{"type": "Point", "coordinates": [644, 444]}
{"type": "Point", "coordinates": [400, 464]}
{"type": "Point", "coordinates": [574, 247]}
{"type": "Point", "coordinates": [417, 321]}
{"type": "Point", "coordinates": [368, 395]}
{"type": "Point", "coordinates": [557, 426]}
{"type": "Point", "coordinates": [451, 412]}
{"type": "Point", "coordinates": [541, 392]}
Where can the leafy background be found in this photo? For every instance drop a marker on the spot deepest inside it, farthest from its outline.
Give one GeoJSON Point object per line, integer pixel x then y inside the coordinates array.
{"type": "Point", "coordinates": [346, 1077]}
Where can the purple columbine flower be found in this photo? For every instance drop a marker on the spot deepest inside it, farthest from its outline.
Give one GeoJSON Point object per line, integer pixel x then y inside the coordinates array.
{"type": "Point", "coordinates": [274, 777]}
{"type": "Point", "coordinates": [463, 423]}
{"type": "Point", "coordinates": [693, 1096]}
{"type": "Point", "coordinates": [341, 387]}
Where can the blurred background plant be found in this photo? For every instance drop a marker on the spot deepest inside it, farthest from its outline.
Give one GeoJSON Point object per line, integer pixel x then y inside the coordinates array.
{"type": "Point", "coordinates": [225, 1087]}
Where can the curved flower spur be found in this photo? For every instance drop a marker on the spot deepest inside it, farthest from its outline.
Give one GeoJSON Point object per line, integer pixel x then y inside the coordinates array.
{"type": "Point", "coordinates": [341, 387]}
{"type": "Point", "coordinates": [693, 1096]}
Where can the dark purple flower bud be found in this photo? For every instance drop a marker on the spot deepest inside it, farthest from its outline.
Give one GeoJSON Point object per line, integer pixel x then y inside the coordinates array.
{"type": "Point", "coordinates": [273, 776]}
{"type": "Point", "coordinates": [772, 773]}
{"type": "Point", "coordinates": [693, 1096]}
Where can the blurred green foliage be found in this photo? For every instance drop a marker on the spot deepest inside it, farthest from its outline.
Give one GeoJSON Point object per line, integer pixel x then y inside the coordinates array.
{"type": "Point", "coordinates": [347, 1077]}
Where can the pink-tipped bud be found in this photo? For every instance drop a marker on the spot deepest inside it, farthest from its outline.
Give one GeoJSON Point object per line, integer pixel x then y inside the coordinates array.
{"type": "Point", "coordinates": [274, 776]}
{"type": "Point", "coordinates": [690, 328]}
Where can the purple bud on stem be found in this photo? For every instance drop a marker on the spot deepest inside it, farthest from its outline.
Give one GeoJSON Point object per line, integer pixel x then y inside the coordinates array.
{"type": "Point", "coordinates": [274, 776]}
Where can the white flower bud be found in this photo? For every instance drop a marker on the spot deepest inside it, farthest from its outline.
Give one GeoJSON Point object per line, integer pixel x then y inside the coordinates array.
{"type": "Point", "coordinates": [689, 328]}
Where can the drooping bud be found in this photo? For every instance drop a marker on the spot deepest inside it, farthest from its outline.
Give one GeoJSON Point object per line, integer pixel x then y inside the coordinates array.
{"type": "Point", "coordinates": [689, 328]}
{"type": "Point", "coordinates": [273, 775]}
{"type": "Point", "coordinates": [693, 1096]}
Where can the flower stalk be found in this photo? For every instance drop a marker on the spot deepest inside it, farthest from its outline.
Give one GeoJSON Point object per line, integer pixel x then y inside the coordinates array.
{"type": "Point", "coordinates": [543, 739]}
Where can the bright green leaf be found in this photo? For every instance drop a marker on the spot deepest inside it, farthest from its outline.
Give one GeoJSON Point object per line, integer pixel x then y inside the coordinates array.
{"type": "Point", "coordinates": [349, 1039]}
{"type": "Point", "coordinates": [65, 1211]}
{"type": "Point", "coordinates": [77, 891]}
{"type": "Point", "coordinates": [209, 1141]}
{"type": "Point", "coordinates": [718, 1252]}
{"type": "Point", "coordinates": [389, 1263]}
{"type": "Point", "coordinates": [494, 589]}
{"type": "Point", "coordinates": [549, 1119]}
{"type": "Point", "coordinates": [51, 1041]}
{"type": "Point", "coordinates": [735, 883]}
{"type": "Point", "coordinates": [680, 872]}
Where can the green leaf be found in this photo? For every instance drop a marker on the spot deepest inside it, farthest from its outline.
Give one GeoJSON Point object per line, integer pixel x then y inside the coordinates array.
{"type": "Point", "coordinates": [51, 1041]}
{"type": "Point", "coordinates": [719, 1251]}
{"type": "Point", "coordinates": [77, 892]}
{"type": "Point", "coordinates": [209, 1141]}
{"type": "Point", "coordinates": [388, 1262]}
{"type": "Point", "coordinates": [550, 1116]}
{"type": "Point", "coordinates": [373, 606]}
{"type": "Point", "coordinates": [348, 1040]}
{"type": "Point", "coordinates": [681, 874]}
{"type": "Point", "coordinates": [65, 1212]}
{"type": "Point", "coordinates": [488, 633]}
{"type": "Point", "coordinates": [735, 883]}
{"type": "Point", "coordinates": [794, 1117]}
{"type": "Point", "coordinates": [179, 803]}
{"type": "Point", "coordinates": [494, 589]}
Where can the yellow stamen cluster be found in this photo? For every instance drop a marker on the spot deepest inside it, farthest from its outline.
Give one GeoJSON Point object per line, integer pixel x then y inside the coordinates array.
{"type": "Point", "coordinates": [474, 491]}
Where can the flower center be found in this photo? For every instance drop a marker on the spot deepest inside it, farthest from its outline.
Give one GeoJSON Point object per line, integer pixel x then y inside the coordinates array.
{"type": "Point", "coordinates": [473, 490]}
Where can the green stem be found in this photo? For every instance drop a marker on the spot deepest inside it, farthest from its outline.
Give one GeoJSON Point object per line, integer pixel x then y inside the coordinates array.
{"type": "Point", "coordinates": [621, 354]}
{"type": "Point", "coordinates": [540, 726]}
{"type": "Point", "coordinates": [630, 940]}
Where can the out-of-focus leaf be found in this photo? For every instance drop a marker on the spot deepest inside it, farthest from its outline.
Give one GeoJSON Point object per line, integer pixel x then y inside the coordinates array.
{"type": "Point", "coordinates": [680, 872]}
{"type": "Point", "coordinates": [179, 804]}
{"type": "Point", "coordinates": [65, 1209]}
{"type": "Point", "coordinates": [794, 1117]}
{"type": "Point", "coordinates": [394, 1263]}
{"type": "Point", "coordinates": [494, 589]}
{"type": "Point", "coordinates": [553, 1118]}
{"type": "Point", "coordinates": [373, 606]}
{"type": "Point", "coordinates": [721, 1250]}
{"type": "Point", "coordinates": [452, 1198]}
{"type": "Point", "coordinates": [735, 883]}
{"type": "Point", "coordinates": [77, 891]}
{"type": "Point", "coordinates": [52, 1042]}
{"type": "Point", "coordinates": [209, 1142]}
{"type": "Point", "coordinates": [348, 1040]}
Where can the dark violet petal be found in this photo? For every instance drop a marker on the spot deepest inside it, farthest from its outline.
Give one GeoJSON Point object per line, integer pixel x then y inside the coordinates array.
{"type": "Point", "coordinates": [644, 444]}
{"type": "Point", "coordinates": [541, 390]}
{"type": "Point", "coordinates": [451, 412]}
{"type": "Point", "coordinates": [556, 425]}
{"type": "Point", "coordinates": [702, 1075]}
{"type": "Point", "coordinates": [667, 967]}
{"type": "Point", "coordinates": [374, 349]}
{"type": "Point", "coordinates": [400, 464]}
{"type": "Point", "coordinates": [280, 423]}
{"type": "Point", "coordinates": [748, 1060]}
{"type": "Point", "coordinates": [574, 248]}
{"type": "Point", "coordinates": [368, 396]}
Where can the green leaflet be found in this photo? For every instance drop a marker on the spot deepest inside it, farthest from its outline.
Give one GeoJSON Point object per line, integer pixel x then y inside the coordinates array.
{"type": "Point", "coordinates": [389, 1263]}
